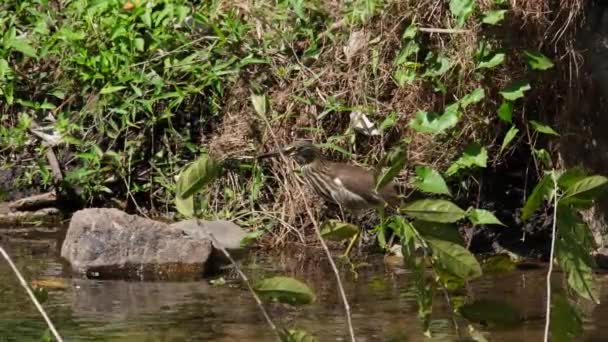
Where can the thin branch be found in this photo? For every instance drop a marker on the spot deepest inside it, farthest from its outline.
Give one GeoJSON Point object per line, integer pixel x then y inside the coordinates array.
{"type": "Point", "coordinates": [553, 238]}
{"type": "Point", "coordinates": [319, 236]}
{"type": "Point", "coordinates": [219, 246]}
{"type": "Point", "coordinates": [31, 294]}
{"type": "Point", "coordinates": [442, 30]}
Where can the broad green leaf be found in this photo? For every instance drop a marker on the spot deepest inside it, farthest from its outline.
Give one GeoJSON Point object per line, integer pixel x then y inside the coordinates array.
{"type": "Point", "coordinates": [260, 104]}
{"type": "Point", "coordinates": [542, 128]}
{"type": "Point", "coordinates": [482, 216]}
{"type": "Point", "coordinates": [509, 137]}
{"type": "Point", "coordinates": [491, 62]}
{"type": "Point", "coordinates": [493, 17]}
{"type": "Point", "coordinates": [472, 97]}
{"type": "Point", "coordinates": [285, 290]}
{"type": "Point", "coordinates": [139, 44]}
{"type": "Point", "coordinates": [462, 10]}
{"type": "Point", "coordinates": [185, 206]}
{"type": "Point", "coordinates": [499, 263]}
{"type": "Point", "coordinates": [198, 174]}
{"type": "Point", "coordinates": [410, 32]}
{"type": "Point", "coordinates": [438, 231]}
{"type": "Point", "coordinates": [437, 65]}
{"type": "Point", "coordinates": [570, 176]}
{"type": "Point", "coordinates": [426, 122]}
{"type": "Point", "coordinates": [505, 111]}
{"type": "Point", "coordinates": [455, 259]}
{"type": "Point", "coordinates": [573, 229]}
{"type": "Point", "coordinates": [566, 323]}
{"type": "Point", "coordinates": [411, 48]}
{"type": "Point", "coordinates": [111, 89]}
{"type": "Point", "coordinates": [538, 61]}
{"type": "Point", "coordinates": [429, 180]}
{"type": "Point", "coordinates": [515, 91]}
{"type": "Point", "coordinates": [404, 75]}
{"type": "Point", "coordinates": [396, 159]}
{"type": "Point", "coordinates": [541, 191]}
{"type": "Point", "coordinates": [473, 155]}
{"type": "Point", "coordinates": [250, 237]}
{"type": "Point", "coordinates": [337, 230]}
{"type": "Point", "coordinates": [293, 335]}
{"type": "Point", "coordinates": [23, 45]}
{"type": "Point", "coordinates": [492, 313]}
{"type": "Point", "coordinates": [571, 258]}
{"type": "Point", "coordinates": [584, 190]}
{"type": "Point", "coordinates": [434, 210]}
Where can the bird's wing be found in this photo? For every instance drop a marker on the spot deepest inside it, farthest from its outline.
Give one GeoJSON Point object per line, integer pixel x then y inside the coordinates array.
{"type": "Point", "coordinates": [361, 181]}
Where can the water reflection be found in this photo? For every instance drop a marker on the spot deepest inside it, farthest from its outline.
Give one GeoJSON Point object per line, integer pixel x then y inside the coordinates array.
{"type": "Point", "coordinates": [383, 306]}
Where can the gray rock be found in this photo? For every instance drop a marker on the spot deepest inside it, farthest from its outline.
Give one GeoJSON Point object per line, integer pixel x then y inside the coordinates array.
{"type": "Point", "coordinates": [108, 243]}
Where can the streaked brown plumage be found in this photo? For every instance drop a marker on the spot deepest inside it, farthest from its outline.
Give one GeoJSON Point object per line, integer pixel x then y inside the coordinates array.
{"type": "Point", "coordinates": [349, 186]}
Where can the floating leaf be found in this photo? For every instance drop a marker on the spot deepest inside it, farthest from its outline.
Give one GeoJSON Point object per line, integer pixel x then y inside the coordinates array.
{"type": "Point", "coordinates": [509, 137]}
{"type": "Point", "coordinates": [434, 210]}
{"type": "Point", "coordinates": [462, 9]}
{"type": "Point", "coordinates": [499, 263]}
{"type": "Point", "coordinates": [538, 61]}
{"type": "Point", "coordinates": [541, 191]}
{"type": "Point", "coordinates": [426, 122]}
{"type": "Point", "coordinates": [109, 89]}
{"type": "Point", "coordinates": [491, 62]}
{"type": "Point", "coordinates": [482, 216]}
{"type": "Point", "coordinates": [566, 323]}
{"type": "Point", "coordinates": [198, 174]}
{"type": "Point", "coordinates": [260, 104]}
{"type": "Point", "coordinates": [473, 155]}
{"type": "Point", "coordinates": [491, 312]}
{"type": "Point", "coordinates": [542, 128]}
{"type": "Point", "coordinates": [396, 159]}
{"type": "Point", "coordinates": [472, 97]}
{"type": "Point", "coordinates": [455, 259]}
{"type": "Point", "coordinates": [285, 290]}
{"type": "Point", "coordinates": [429, 180]}
{"type": "Point", "coordinates": [515, 91]}
{"type": "Point", "coordinates": [337, 230]}
{"type": "Point", "coordinates": [493, 17]}
{"type": "Point", "coordinates": [505, 111]}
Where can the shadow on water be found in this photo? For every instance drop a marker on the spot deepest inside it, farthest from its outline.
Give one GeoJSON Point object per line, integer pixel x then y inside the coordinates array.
{"type": "Point", "coordinates": [383, 306]}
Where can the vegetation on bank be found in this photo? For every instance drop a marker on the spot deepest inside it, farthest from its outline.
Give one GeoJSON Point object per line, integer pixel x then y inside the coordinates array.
{"type": "Point", "coordinates": [125, 93]}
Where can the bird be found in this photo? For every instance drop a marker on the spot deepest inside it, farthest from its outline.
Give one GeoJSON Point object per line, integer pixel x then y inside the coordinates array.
{"type": "Point", "coordinates": [349, 186]}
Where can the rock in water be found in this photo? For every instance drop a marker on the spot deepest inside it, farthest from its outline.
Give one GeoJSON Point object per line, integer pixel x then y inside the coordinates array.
{"type": "Point", "coordinates": [108, 243]}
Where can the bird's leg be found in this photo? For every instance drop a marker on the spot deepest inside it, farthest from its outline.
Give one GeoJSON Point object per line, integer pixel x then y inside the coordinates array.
{"type": "Point", "coordinates": [352, 243]}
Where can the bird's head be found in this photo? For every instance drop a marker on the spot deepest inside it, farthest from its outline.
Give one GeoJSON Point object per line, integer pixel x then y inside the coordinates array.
{"type": "Point", "coordinates": [303, 152]}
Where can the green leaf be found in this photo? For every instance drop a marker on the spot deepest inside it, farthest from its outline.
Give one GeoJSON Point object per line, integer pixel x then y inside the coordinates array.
{"type": "Point", "coordinates": [426, 122]}
{"type": "Point", "coordinates": [260, 104]}
{"type": "Point", "coordinates": [438, 231]}
{"type": "Point", "coordinates": [491, 313]}
{"type": "Point", "coordinates": [111, 89]}
{"type": "Point", "coordinates": [472, 97]}
{"type": "Point", "coordinates": [571, 176]}
{"type": "Point", "coordinates": [541, 191]}
{"type": "Point", "coordinates": [462, 9]}
{"type": "Point", "coordinates": [473, 155]}
{"type": "Point", "coordinates": [411, 48]}
{"type": "Point", "coordinates": [566, 323]}
{"type": "Point", "coordinates": [198, 174]}
{"type": "Point", "coordinates": [542, 128]}
{"type": "Point", "coordinates": [584, 190]}
{"type": "Point", "coordinates": [515, 91]}
{"type": "Point", "coordinates": [544, 157]}
{"type": "Point", "coordinates": [505, 111]}
{"type": "Point", "coordinates": [337, 230]}
{"type": "Point", "coordinates": [509, 137]}
{"type": "Point", "coordinates": [499, 263]}
{"type": "Point", "coordinates": [23, 45]}
{"type": "Point", "coordinates": [396, 159]}
{"type": "Point", "coordinates": [437, 65]}
{"type": "Point", "coordinates": [139, 44]}
{"type": "Point", "coordinates": [538, 61]}
{"type": "Point", "coordinates": [571, 258]}
{"type": "Point", "coordinates": [455, 259]}
{"type": "Point", "coordinates": [482, 216]}
{"type": "Point", "coordinates": [296, 336]}
{"type": "Point", "coordinates": [285, 290]}
{"type": "Point", "coordinates": [492, 62]}
{"type": "Point", "coordinates": [429, 180]}
{"type": "Point", "coordinates": [410, 32]}
{"type": "Point", "coordinates": [185, 206]}
{"type": "Point", "coordinates": [493, 17]}
{"type": "Point", "coordinates": [250, 237]}
{"type": "Point", "coordinates": [434, 210]}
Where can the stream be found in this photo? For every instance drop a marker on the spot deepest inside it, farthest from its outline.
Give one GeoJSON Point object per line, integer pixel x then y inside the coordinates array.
{"type": "Point", "coordinates": [220, 308]}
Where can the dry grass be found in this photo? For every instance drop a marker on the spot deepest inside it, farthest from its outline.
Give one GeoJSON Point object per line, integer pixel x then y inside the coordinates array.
{"type": "Point", "coordinates": [301, 87]}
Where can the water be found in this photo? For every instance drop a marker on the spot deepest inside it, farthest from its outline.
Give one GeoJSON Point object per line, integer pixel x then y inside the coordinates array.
{"type": "Point", "coordinates": [383, 307]}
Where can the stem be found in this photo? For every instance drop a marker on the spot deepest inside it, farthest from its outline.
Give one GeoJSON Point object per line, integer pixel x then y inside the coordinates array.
{"type": "Point", "coordinates": [258, 301]}
{"type": "Point", "coordinates": [31, 294]}
{"type": "Point", "coordinates": [319, 236]}
{"type": "Point", "coordinates": [553, 238]}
